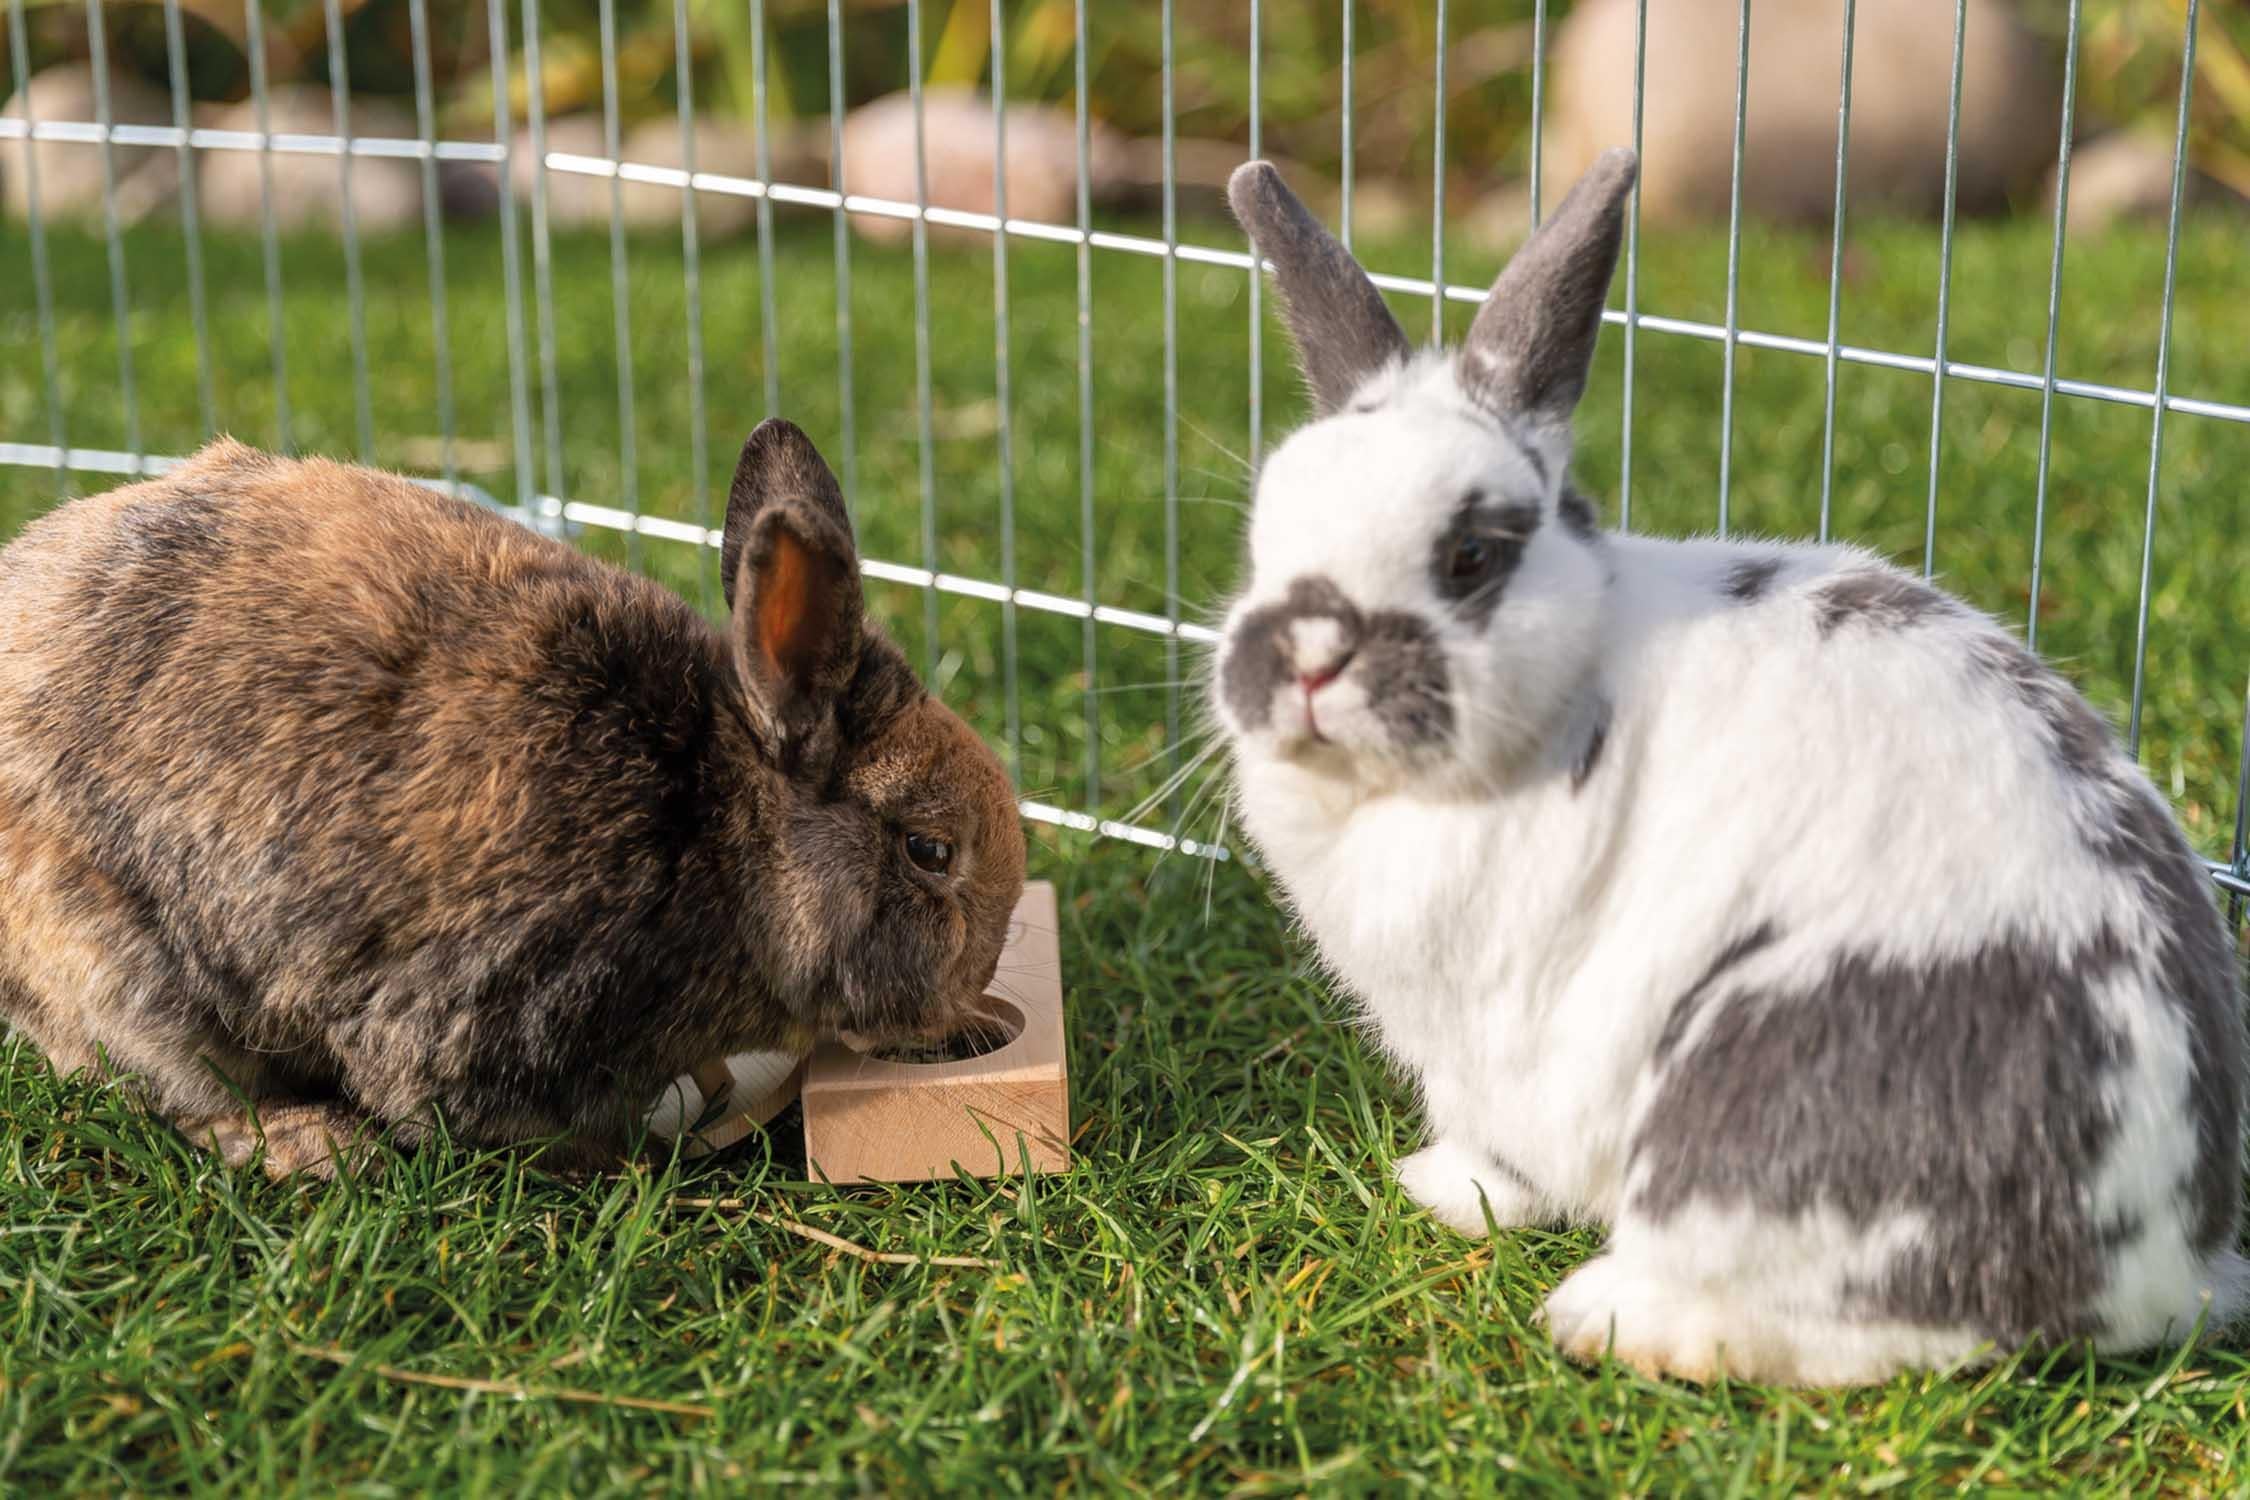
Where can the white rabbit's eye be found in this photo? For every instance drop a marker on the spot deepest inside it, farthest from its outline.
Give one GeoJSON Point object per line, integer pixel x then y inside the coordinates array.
{"type": "Point", "coordinates": [1471, 559]}
{"type": "Point", "coordinates": [929, 852]}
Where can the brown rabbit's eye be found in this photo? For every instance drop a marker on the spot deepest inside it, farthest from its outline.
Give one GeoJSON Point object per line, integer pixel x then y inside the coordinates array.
{"type": "Point", "coordinates": [1472, 557]}
{"type": "Point", "coordinates": [929, 852]}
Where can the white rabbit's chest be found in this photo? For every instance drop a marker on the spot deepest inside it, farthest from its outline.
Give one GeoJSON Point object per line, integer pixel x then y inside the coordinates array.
{"type": "Point", "coordinates": [1466, 938]}
{"type": "Point", "coordinates": [1468, 963]}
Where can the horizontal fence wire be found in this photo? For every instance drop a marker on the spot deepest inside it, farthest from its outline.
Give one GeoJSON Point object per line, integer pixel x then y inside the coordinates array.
{"type": "Point", "coordinates": [549, 507]}
{"type": "Point", "coordinates": [798, 195]}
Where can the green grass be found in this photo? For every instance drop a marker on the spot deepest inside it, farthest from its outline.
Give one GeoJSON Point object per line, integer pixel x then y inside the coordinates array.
{"type": "Point", "coordinates": [1225, 1292]}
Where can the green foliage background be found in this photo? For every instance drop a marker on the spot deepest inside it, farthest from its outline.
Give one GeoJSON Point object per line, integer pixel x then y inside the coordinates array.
{"type": "Point", "coordinates": [2129, 65]}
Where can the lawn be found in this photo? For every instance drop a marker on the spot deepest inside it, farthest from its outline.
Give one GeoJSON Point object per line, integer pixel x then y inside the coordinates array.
{"type": "Point", "coordinates": [1225, 1292]}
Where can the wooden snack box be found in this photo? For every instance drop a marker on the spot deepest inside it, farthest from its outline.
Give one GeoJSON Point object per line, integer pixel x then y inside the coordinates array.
{"type": "Point", "coordinates": [869, 1119]}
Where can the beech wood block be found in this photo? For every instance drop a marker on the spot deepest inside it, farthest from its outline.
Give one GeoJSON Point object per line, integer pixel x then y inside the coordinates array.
{"type": "Point", "coordinates": [872, 1120]}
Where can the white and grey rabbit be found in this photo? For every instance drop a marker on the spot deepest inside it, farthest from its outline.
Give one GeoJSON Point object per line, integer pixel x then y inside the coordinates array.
{"type": "Point", "coordinates": [1758, 901]}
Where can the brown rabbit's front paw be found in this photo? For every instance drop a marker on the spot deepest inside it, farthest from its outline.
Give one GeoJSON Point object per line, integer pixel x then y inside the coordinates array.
{"type": "Point", "coordinates": [308, 1139]}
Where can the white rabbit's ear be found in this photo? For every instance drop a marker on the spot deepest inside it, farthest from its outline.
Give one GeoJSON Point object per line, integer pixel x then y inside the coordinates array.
{"type": "Point", "coordinates": [1337, 319]}
{"type": "Point", "coordinates": [1528, 350]}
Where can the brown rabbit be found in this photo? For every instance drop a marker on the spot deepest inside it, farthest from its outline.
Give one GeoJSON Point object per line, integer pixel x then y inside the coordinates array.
{"type": "Point", "coordinates": [328, 796]}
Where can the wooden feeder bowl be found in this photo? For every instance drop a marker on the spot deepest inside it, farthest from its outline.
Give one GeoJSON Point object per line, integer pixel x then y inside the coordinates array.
{"type": "Point", "coordinates": [872, 1119]}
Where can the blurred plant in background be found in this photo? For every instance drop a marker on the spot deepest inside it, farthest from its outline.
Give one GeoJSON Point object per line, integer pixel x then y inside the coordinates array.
{"type": "Point", "coordinates": [2129, 67]}
{"type": "Point", "coordinates": [2129, 74]}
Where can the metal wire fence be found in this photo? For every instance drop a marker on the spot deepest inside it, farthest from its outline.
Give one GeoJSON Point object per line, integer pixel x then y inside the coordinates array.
{"type": "Point", "coordinates": [532, 473]}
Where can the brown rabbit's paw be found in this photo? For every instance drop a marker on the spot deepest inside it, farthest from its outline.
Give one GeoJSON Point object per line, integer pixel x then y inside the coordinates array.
{"type": "Point", "coordinates": [310, 1140]}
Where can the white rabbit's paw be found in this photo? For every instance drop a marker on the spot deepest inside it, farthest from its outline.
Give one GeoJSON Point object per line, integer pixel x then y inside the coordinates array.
{"type": "Point", "coordinates": [1609, 1306]}
{"type": "Point", "coordinates": [1456, 1183]}
{"type": "Point", "coordinates": [1666, 1328]}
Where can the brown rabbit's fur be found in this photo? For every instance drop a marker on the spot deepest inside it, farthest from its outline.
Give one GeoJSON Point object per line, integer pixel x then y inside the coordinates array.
{"type": "Point", "coordinates": [327, 794]}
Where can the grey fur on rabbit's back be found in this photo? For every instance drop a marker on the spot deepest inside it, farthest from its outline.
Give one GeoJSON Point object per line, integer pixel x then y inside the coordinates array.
{"type": "Point", "coordinates": [365, 805]}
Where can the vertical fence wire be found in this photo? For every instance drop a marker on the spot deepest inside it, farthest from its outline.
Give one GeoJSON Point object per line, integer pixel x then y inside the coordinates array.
{"type": "Point", "coordinates": [1172, 396]}
{"type": "Point", "coordinates": [1257, 277]}
{"type": "Point", "coordinates": [847, 438]}
{"type": "Point", "coordinates": [191, 222]}
{"type": "Point", "coordinates": [1003, 396]}
{"type": "Point", "coordinates": [355, 291]}
{"type": "Point", "coordinates": [433, 233]}
{"type": "Point", "coordinates": [269, 238]}
{"type": "Point", "coordinates": [1836, 275]}
{"type": "Point", "coordinates": [1945, 286]}
{"type": "Point", "coordinates": [120, 288]}
{"type": "Point", "coordinates": [769, 332]}
{"type": "Point", "coordinates": [503, 136]}
{"type": "Point", "coordinates": [35, 223]}
{"type": "Point", "coordinates": [2163, 370]}
{"type": "Point", "coordinates": [1089, 644]}
{"type": "Point", "coordinates": [542, 252]}
{"type": "Point", "coordinates": [2054, 325]}
{"type": "Point", "coordinates": [2239, 859]}
{"type": "Point", "coordinates": [620, 288]}
{"type": "Point", "coordinates": [1346, 213]}
{"type": "Point", "coordinates": [1734, 269]}
{"type": "Point", "coordinates": [691, 286]}
{"type": "Point", "coordinates": [1539, 109]}
{"type": "Point", "coordinates": [1437, 184]}
{"type": "Point", "coordinates": [1632, 271]}
{"type": "Point", "coordinates": [925, 438]}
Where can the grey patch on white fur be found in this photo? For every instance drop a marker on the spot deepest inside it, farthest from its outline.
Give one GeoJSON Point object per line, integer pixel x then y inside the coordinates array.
{"type": "Point", "coordinates": [1258, 662]}
{"type": "Point", "coordinates": [1967, 1093]}
{"type": "Point", "coordinates": [1402, 671]}
{"type": "Point", "coordinates": [1337, 319]}
{"type": "Point", "coordinates": [1394, 656]}
{"type": "Point", "coordinates": [1505, 527]}
{"type": "Point", "coordinates": [1528, 351]}
{"type": "Point", "coordinates": [1577, 512]}
{"type": "Point", "coordinates": [2077, 737]}
{"type": "Point", "coordinates": [1518, 1176]}
{"type": "Point", "coordinates": [1690, 1004]}
{"type": "Point", "coordinates": [1879, 598]}
{"type": "Point", "coordinates": [1747, 581]}
{"type": "Point", "coordinates": [1531, 455]}
{"type": "Point", "coordinates": [1597, 740]}
{"type": "Point", "coordinates": [2133, 834]}
{"type": "Point", "coordinates": [2196, 973]}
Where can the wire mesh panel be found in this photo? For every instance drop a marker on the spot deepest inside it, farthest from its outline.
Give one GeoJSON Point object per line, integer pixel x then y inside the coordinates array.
{"type": "Point", "coordinates": [1045, 423]}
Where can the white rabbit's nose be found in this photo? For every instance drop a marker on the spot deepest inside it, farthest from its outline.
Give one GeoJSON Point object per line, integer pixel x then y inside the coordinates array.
{"type": "Point", "coordinates": [1319, 650]}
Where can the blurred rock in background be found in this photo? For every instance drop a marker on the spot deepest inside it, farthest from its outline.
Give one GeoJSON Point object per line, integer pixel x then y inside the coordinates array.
{"type": "Point", "coordinates": [1901, 85]}
{"type": "Point", "coordinates": [958, 147]}
{"type": "Point", "coordinates": [70, 172]}
{"type": "Point", "coordinates": [307, 187]}
{"type": "Point", "coordinates": [2122, 177]}
{"type": "Point", "coordinates": [1309, 92]}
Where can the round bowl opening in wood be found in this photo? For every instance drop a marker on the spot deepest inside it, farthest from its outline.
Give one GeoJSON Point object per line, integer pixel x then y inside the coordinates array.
{"type": "Point", "coordinates": [997, 1023]}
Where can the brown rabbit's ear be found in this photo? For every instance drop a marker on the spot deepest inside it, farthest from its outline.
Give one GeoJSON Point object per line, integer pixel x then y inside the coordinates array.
{"type": "Point", "coordinates": [791, 574]}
